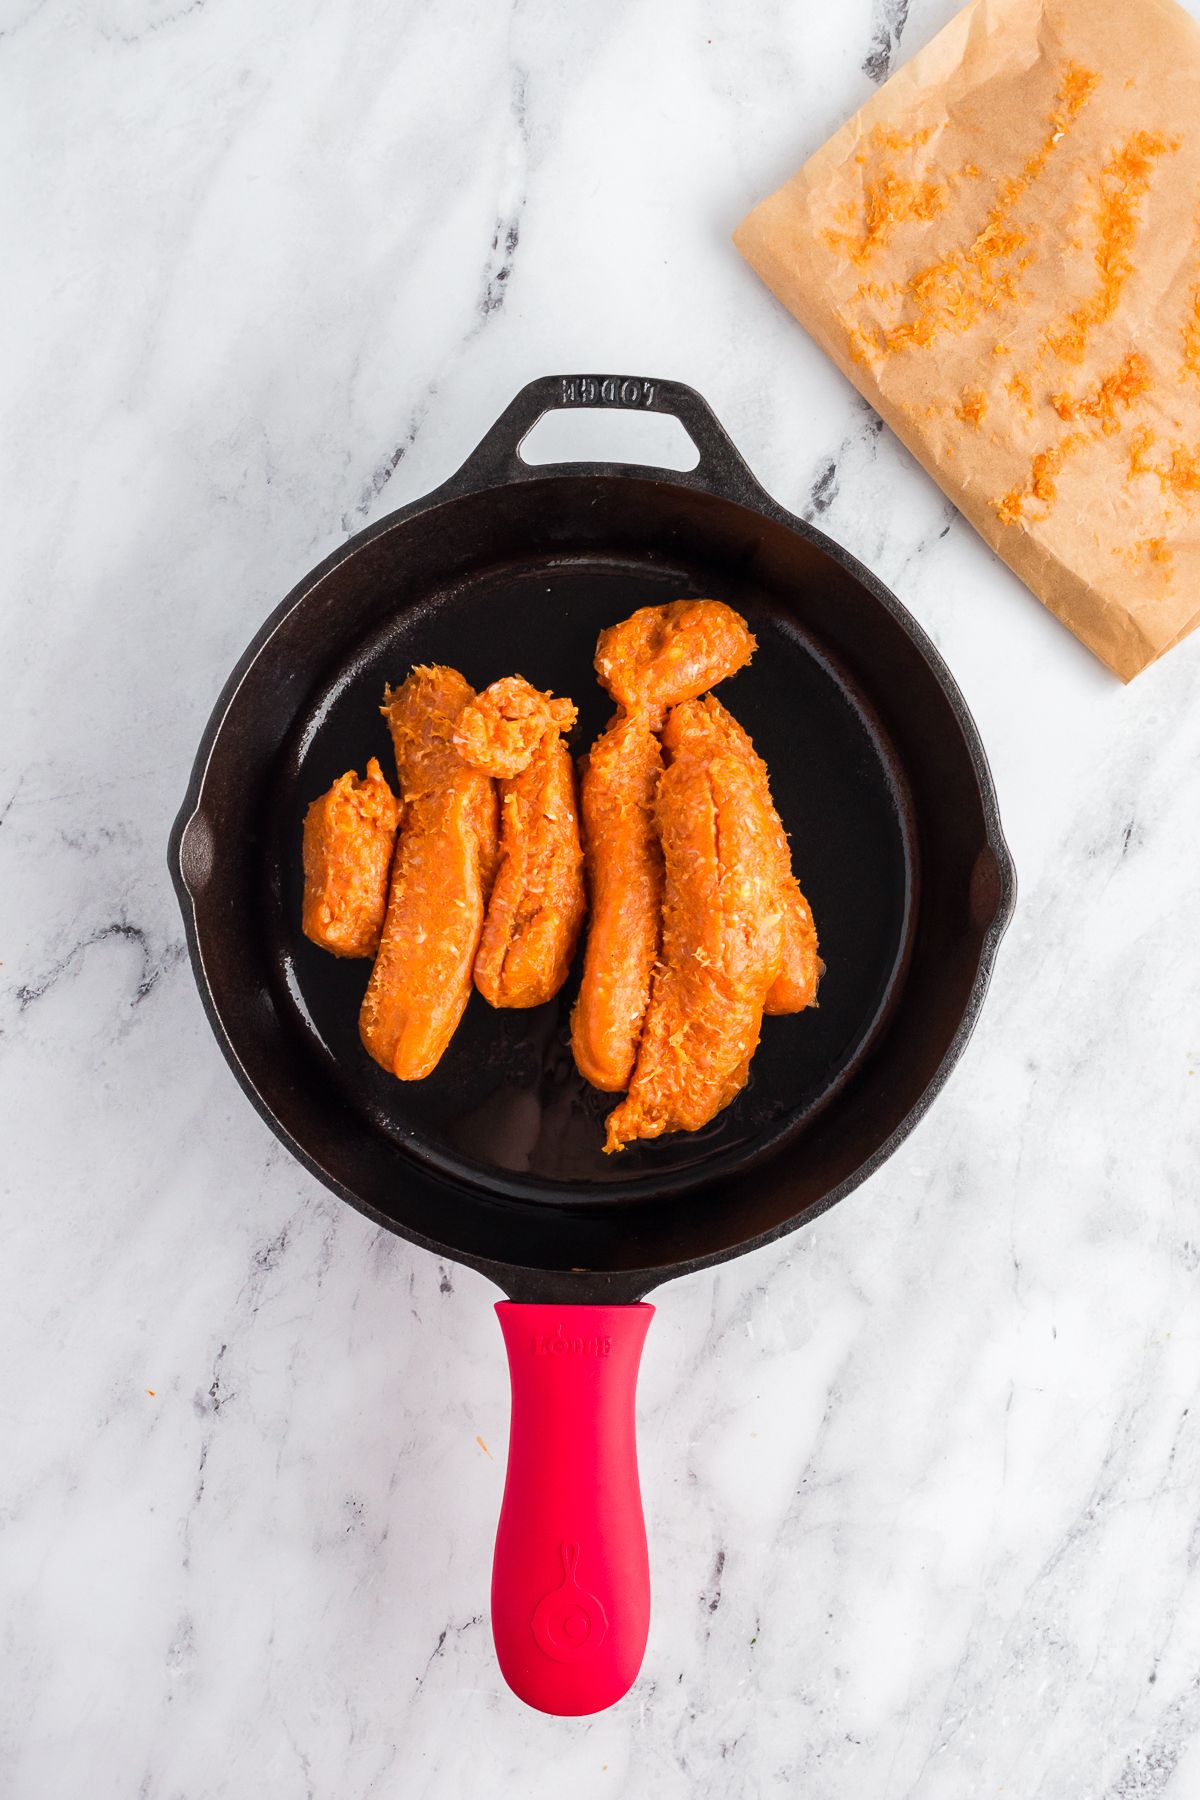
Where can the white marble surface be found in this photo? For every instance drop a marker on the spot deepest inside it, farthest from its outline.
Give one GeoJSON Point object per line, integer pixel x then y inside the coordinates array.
{"type": "Point", "coordinates": [924, 1481]}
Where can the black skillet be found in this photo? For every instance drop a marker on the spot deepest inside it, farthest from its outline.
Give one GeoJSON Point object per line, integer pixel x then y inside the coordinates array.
{"type": "Point", "coordinates": [495, 1159]}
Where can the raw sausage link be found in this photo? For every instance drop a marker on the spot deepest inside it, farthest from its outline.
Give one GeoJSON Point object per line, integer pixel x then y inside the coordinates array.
{"type": "Point", "coordinates": [441, 875]}
{"type": "Point", "coordinates": [795, 988]}
{"type": "Point", "coordinates": [721, 948]}
{"type": "Point", "coordinates": [623, 860]}
{"type": "Point", "coordinates": [662, 655]}
{"type": "Point", "coordinates": [537, 905]}
{"type": "Point", "coordinates": [349, 834]}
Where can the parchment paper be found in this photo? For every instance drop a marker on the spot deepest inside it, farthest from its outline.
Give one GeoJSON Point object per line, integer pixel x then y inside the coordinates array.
{"type": "Point", "coordinates": [1002, 252]}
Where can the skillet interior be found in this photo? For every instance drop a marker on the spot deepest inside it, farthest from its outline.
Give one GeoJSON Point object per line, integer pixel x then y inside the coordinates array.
{"type": "Point", "coordinates": [506, 1103]}
{"type": "Point", "coordinates": [495, 1158]}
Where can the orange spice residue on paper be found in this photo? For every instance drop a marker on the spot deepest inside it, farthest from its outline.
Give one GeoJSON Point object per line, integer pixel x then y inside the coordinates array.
{"type": "Point", "coordinates": [1140, 446]}
{"type": "Point", "coordinates": [483, 1446]}
{"type": "Point", "coordinates": [1119, 388]}
{"type": "Point", "coordinates": [861, 346]}
{"type": "Point", "coordinates": [1181, 476]}
{"type": "Point", "coordinates": [1044, 471]}
{"type": "Point", "coordinates": [1124, 183]}
{"type": "Point", "coordinates": [1191, 336]}
{"type": "Point", "coordinates": [880, 291]}
{"type": "Point", "coordinates": [1155, 551]}
{"type": "Point", "coordinates": [1017, 386]}
{"type": "Point", "coordinates": [886, 137]}
{"type": "Point", "coordinates": [889, 199]}
{"type": "Point", "coordinates": [972, 406]}
{"type": "Point", "coordinates": [953, 292]}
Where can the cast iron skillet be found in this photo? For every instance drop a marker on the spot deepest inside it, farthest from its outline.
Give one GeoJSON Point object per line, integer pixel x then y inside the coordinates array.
{"type": "Point", "coordinates": [495, 1159]}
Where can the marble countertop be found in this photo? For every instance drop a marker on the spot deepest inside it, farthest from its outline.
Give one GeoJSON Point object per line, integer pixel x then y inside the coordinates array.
{"type": "Point", "coordinates": [923, 1481]}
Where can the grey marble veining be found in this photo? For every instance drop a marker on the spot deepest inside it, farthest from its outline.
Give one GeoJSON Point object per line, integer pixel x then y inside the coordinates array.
{"type": "Point", "coordinates": [923, 1482]}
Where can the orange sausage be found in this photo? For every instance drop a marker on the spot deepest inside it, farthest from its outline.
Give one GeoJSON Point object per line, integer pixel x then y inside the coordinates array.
{"type": "Point", "coordinates": [441, 875]}
{"type": "Point", "coordinates": [722, 945]}
{"type": "Point", "coordinates": [662, 655]}
{"type": "Point", "coordinates": [536, 910]}
{"type": "Point", "coordinates": [349, 834]}
{"type": "Point", "coordinates": [618, 782]}
{"type": "Point", "coordinates": [500, 731]}
{"type": "Point", "coordinates": [536, 907]}
{"type": "Point", "coordinates": [795, 987]}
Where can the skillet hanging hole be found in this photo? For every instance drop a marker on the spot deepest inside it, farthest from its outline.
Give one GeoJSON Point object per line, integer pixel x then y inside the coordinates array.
{"type": "Point", "coordinates": [656, 439]}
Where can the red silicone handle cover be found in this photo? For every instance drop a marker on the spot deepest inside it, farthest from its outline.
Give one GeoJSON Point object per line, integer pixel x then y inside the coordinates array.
{"type": "Point", "coordinates": [571, 1577]}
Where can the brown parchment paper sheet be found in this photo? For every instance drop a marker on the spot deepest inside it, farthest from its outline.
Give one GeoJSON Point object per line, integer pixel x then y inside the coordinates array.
{"type": "Point", "coordinates": [1001, 251]}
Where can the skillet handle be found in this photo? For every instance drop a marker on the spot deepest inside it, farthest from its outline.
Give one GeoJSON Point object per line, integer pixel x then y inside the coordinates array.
{"type": "Point", "coordinates": [497, 458]}
{"type": "Point", "coordinates": [571, 1576]}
